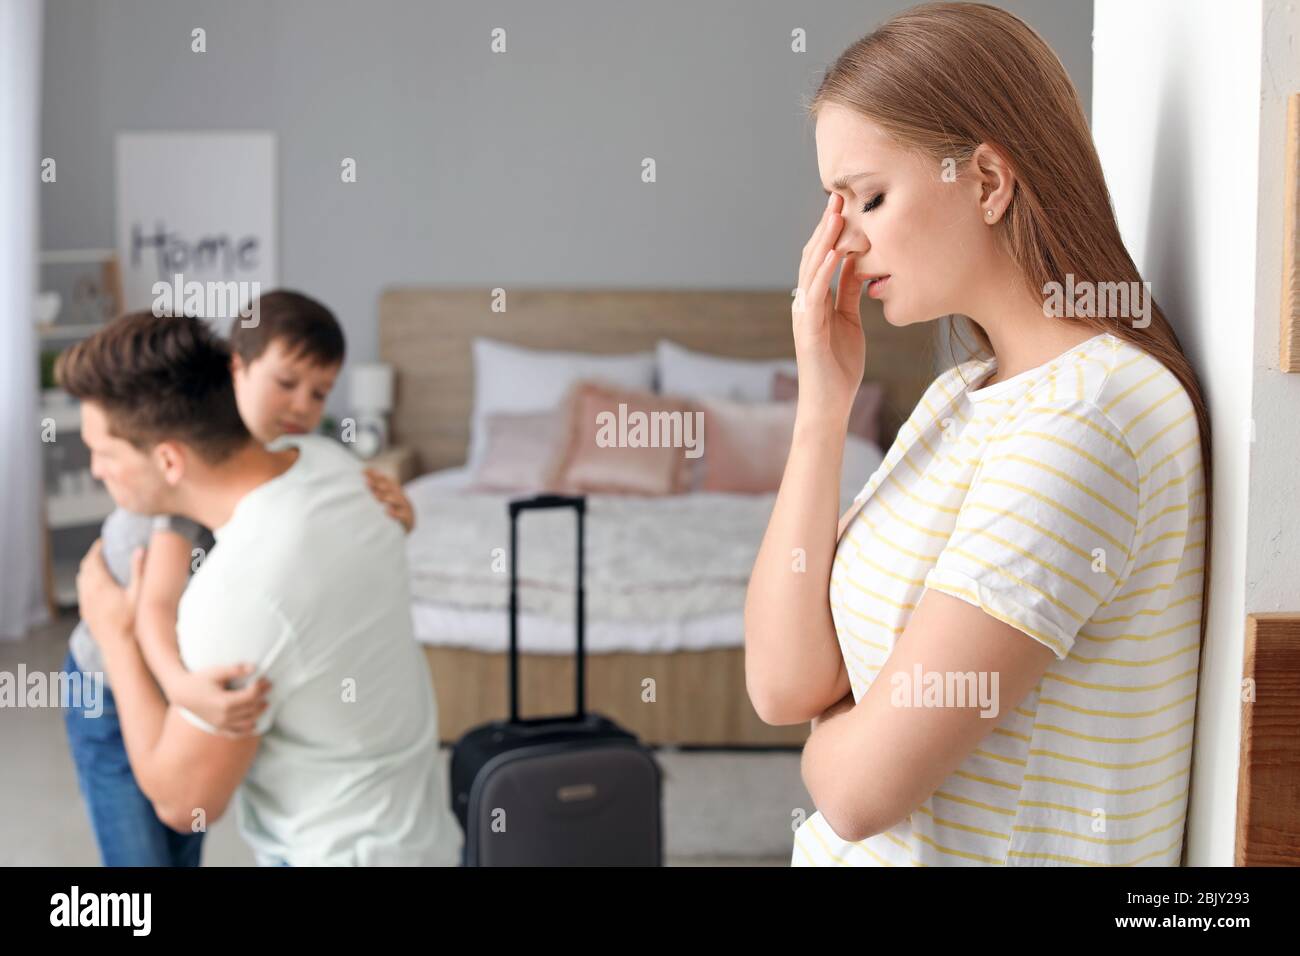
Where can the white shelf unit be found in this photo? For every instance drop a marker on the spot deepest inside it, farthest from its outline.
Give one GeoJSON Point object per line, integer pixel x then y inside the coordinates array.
{"type": "Point", "coordinates": [88, 507]}
{"type": "Point", "coordinates": [76, 510]}
{"type": "Point", "coordinates": [65, 414]}
{"type": "Point", "coordinates": [63, 509]}
{"type": "Point", "coordinates": [65, 583]}
{"type": "Point", "coordinates": [66, 333]}
{"type": "Point", "coordinates": [54, 257]}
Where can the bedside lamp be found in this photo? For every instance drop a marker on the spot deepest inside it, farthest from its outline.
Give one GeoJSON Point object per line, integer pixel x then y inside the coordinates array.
{"type": "Point", "coordinates": [371, 394]}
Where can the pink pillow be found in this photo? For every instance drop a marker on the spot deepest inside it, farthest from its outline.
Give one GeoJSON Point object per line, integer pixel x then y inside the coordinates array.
{"type": "Point", "coordinates": [746, 445]}
{"type": "Point", "coordinates": [591, 465]}
{"type": "Point", "coordinates": [522, 450]}
{"type": "Point", "coordinates": [864, 419]}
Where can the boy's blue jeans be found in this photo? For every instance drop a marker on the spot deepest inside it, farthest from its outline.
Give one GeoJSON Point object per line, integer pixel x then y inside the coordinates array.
{"type": "Point", "coordinates": [127, 830]}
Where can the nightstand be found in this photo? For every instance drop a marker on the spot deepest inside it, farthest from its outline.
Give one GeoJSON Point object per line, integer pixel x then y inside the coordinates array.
{"type": "Point", "coordinates": [397, 462]}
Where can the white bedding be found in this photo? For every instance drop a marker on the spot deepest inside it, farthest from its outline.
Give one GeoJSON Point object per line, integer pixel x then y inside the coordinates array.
{"type": "Point", "coordinates": [662, 574]}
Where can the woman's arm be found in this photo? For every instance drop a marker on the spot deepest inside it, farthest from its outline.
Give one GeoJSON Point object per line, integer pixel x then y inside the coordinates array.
{"type": "Point", "coordinates": [793, 666]}
{"type": "Point", "coordinates": [868, 766]}
{"type": "Point", "coordinates": [841, 706]}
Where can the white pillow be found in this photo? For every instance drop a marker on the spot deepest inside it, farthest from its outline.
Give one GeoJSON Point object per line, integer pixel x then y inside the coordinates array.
{"type": "Point", "coordinates": [691, 374]}
{"type": "Point", "coordinates": [510, 378]}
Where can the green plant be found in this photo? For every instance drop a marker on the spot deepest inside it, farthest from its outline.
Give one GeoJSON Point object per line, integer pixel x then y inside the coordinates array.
{"type": "Point", "coordinates": [48, 358]}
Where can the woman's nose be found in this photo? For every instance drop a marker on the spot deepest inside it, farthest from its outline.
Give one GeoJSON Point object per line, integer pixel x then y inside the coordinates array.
{"type": "Point", "coordinates": [852, 239]}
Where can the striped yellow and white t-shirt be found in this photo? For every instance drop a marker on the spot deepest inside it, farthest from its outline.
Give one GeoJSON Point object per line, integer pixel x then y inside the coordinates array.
{"type": "Point", "coordinates": [1067, 501]}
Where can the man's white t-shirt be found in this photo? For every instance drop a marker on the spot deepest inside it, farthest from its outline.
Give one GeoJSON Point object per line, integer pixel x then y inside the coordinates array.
{"type": "Point", "coordinates": [308, 581]}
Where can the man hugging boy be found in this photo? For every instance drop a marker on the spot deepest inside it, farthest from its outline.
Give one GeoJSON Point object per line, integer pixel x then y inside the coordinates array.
{"type": "Point", "coordinates": [282, 370]}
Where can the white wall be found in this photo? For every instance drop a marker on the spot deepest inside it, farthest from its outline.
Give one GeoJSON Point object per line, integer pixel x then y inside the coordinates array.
{"type": "Point", "coordinates": [474, 168]}
{"type": "Point", "coordinates": [21, 568]}
{"type": "Point", "coordinates": [1188, 108]}
{"type": "Point", "coordinates": [1273, 532]}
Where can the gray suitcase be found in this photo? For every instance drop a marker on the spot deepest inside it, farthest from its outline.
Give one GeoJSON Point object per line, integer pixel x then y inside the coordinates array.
{"type": "Point", "coordinates": [571, 790]}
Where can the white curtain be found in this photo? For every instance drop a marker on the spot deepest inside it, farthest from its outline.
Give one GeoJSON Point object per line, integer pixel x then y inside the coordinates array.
{"type": "Point", "coordinates": [22, 555]}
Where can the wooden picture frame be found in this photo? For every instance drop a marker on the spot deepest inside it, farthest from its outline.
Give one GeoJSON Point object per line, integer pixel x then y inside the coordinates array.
{"type": "Point", "coordinates": [1268, 793]}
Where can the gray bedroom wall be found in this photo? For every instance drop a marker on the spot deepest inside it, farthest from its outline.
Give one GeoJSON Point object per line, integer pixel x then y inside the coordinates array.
{"type": "Point", "coordinates": [515, 169]}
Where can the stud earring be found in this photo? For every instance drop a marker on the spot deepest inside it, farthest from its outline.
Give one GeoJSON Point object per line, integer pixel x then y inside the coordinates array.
{"type": "Point", "coordinates": [989, 213]}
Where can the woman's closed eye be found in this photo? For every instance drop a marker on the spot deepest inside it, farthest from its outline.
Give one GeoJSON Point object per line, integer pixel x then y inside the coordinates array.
{"type": "Point", "coordinates": [873, 203]}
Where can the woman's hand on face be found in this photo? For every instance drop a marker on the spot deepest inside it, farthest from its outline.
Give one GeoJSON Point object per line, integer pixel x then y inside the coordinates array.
{"type": "Point", "coordinates": [828, 340]}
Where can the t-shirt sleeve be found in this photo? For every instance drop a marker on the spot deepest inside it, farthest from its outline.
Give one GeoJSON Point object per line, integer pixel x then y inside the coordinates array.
{"type": "Point", "coordinates": [1045, 534]}
{"type": "Point", "coordinates": [235, 631]}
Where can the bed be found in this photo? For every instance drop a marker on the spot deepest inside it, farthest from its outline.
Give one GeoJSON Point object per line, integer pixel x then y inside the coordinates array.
{"type": "Point", "coordinates": [665, 576]}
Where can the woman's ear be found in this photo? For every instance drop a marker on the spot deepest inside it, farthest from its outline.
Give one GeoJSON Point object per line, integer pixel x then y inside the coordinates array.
{"type": "Point", "coordinates": [236, 364]}
{"type": "Point", "coordinates": [996, 181]}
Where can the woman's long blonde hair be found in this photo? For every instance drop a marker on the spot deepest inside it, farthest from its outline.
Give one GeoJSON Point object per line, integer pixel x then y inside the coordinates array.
{"type": "Point", "coordinates": [943, 78]}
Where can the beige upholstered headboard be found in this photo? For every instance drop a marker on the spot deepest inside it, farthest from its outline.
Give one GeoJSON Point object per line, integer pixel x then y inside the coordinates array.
{"type": "Point", "coordinates": [425, 334]}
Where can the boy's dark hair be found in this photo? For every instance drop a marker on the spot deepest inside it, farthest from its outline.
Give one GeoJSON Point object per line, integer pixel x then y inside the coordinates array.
{"type": "Point", "coordinates": [305, 326]}
{"type": "Point", "coordinates": [159, 379]}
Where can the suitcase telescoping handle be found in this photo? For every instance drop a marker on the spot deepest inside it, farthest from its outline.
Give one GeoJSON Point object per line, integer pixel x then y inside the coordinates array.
{"type": "Point", "coordinates": [539, 503]}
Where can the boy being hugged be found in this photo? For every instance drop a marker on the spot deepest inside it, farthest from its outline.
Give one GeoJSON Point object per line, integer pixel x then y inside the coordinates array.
{"type": "Point", "coordinates": [283, 369]}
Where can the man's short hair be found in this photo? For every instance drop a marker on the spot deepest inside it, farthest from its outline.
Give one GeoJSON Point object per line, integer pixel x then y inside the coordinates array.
{"type": "Point", "coordinates": [302, 325]}
{"type": "Point", "coordinates": [159, 379]}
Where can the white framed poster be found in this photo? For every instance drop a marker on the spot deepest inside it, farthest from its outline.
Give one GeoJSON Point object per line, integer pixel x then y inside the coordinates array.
{"type": "Point", "coordinates": [196, 220]}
